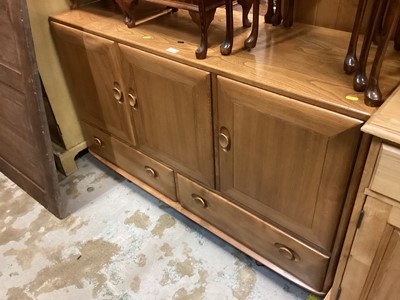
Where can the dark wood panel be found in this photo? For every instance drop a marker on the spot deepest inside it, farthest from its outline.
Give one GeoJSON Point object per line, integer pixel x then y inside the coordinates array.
{"type": "Point", "coordinates": [26, 156]}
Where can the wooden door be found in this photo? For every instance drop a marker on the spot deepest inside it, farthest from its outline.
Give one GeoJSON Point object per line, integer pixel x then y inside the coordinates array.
{"type": "Point", "coordinates": [285, 160]}
{"type": "Point", "coordinates": [171, 108]}
{"type": "Point", "coordinates": [91, 66]}
{"type": "Point", "coordinates": [25, 149]}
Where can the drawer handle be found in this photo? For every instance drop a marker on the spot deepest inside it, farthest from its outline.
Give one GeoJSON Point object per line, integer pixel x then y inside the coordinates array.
{"type": "Point", "coordinates": [224, 139]}
{"type": "Point", "coordinates": [150, 171]}
{"type": "Point", "coordinates": [199, 200]}
{"type": "Point", "coordinates": [118, 94]}
{"type": "Point", "coordinates": [98, 142]}
{"type": "Point", "coordinates": [132, 98]}
{"type": "Point", "coordinates": [286, 252]}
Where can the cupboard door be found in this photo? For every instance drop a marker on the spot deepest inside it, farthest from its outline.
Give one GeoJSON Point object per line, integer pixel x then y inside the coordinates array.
{"type": "Point", "coordinates": [91, 66]}
{"type": "Point", "coordinates": [285, 160]}
{"type": "Point", "coordinates": [171, 108]}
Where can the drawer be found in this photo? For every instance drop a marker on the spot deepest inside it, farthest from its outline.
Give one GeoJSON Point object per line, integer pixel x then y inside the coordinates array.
{"type": "Point", "coordinates": [386, 177]}
{"type": "Point", "coordinates": [137, 164]}
{"type": "Point", "coordinates": [273, 244]}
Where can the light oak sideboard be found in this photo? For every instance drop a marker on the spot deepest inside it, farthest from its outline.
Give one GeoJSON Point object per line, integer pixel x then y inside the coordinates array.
{"type": "Point", "coordinates": [261, 147]}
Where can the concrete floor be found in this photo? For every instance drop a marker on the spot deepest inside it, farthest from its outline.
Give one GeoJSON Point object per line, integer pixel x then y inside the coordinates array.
{"type": "Point", "coordinates": [119, 243]}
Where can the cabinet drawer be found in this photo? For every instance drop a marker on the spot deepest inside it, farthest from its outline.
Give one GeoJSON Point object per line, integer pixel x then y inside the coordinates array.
{"type": "Point", "coordinates": [279, 248]}
{"type": "Point", "coordinates": [386, 178]}
{"type": "Point", "coordinates": [137, 164]}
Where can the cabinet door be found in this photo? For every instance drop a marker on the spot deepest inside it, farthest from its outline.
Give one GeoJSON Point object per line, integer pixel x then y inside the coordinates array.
{"type": "Point", "coordinates": [287, 161]}
{"type": "Point", "coordinates": [171, 108]}
{"type": "Point", "coordinates": [373, 267]}
{"type": "Point", "coordinates": [91, 66]}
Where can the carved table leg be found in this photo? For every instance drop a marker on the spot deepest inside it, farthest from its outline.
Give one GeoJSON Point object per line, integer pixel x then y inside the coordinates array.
{"type": "Point", "coordinates": [246, 6]}
{"type": "Point", "coordinates": [373, 95]}
{"type": "Point", "coordinates": [351, 62]}
{"type": "Point", "coordinates": [226, 46]}
{"type": "Point", "coordinates": [360, 77]}
{"type": "Point", "coordinates": [201, 52]}
{"type": "Point", "coordinates": [288, 19]}
{"type": "Point", "coordinates": [270, 12]}
{"type": "Point", "coordinates": [277, 17]}
{"type": "Point", "coordinates": [251, 41]}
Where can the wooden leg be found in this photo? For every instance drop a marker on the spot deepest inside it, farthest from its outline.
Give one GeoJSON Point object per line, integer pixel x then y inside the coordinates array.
{"type": "Point", "coordinates": [277, 17]}
{"type": "Point", "coordinates": [397, 38]}
{"type": "Point", "coordinates": [127, 7]}
{"type": "Point", "coordinates": [270, 12]}
{"type": "Point", "coordinates": [74, 4]}
{"type": "Point", "coordinates": [288, 19]}
{"type": "Point", "coordinates": [246, 6]}
{"type": "Point", "coordinates": [360, 78]}
{"type": "Point", "coordinates": [201, 52]}
{"type": "Point", "coordinates": [351, 62]}
{"type": "Point", "coordinates": [226, 46]}
{"type": "Point", "coordinates": [373, 95]}
{"type": "Point", "coordinates": [251, 41]}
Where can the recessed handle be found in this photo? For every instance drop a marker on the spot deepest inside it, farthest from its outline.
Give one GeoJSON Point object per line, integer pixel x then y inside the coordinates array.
{"type": "Point", "coordinates": [286, 252]}
{"type": "Point", "coordinates": [132, 98]}
{"type": "Point", "coordinates": [97, 142]}
{"type": "Point", "coordinates": [224, 139]}
{"type": "Point", "coordinates": [199, 200]}
{"type": "Point", "coordinates": [150, 171]}
{"type": "Point", "coordinates": [117, 93]}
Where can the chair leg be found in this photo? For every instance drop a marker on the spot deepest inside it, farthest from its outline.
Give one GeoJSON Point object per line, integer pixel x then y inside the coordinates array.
{"type": "Point", "coordinates": [226, 46]}
{"type": "Point", "coordinates": [360, 78]}
{"type": "Point", "coordinates": [251, 41]}
{"type": "Point", "coordinates": [201, 52]}
{"type": "Point", "coordinates": [288, 19]}
{"type": "Point", "coordinates": [270, 12]}
{"type": "Point", "coordinates": [351, 61]}
{"type": "Point", "coordinates": [246, 6]}
{"type": "Point", "coordinates": [373, 95]}
{"type": "Point", "coordinates": [277, 17]}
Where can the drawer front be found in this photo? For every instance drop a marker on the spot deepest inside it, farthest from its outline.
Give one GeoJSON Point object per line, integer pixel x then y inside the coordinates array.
{"type": "Point", "coordinates": [279, 248]}
{"type": "Point", "coordinates": [137, 164]}
{"type": "Point", "coordinates": [386, 177]}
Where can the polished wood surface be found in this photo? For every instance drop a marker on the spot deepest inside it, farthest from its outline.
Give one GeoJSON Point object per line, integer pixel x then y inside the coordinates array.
{"type": "Point", "coordinates": [288, 171]}
{"type": "Point", "coordinates": [268, 241]}
{"type": "Point", "coordinates": [386, 122]}
{"type": "Point", "coordinates": [135, 163]}
{"type": "Point", "coordinates": [92, 69]}
{"type": "Point", "coordinates": [172, 116]}
{"type": "Point", "coordinates": [386, 178]}
{"type": "Point", "coordinates": [306, 61]}
{"type": "Point", "coordinates": [25, 152]}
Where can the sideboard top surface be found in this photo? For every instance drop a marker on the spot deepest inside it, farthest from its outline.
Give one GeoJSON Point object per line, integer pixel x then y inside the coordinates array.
{"type": "Point", "coordinates": [303, 62]}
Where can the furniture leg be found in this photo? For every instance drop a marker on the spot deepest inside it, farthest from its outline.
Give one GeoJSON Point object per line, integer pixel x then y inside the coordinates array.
{"type": "Point", "coordinates": [74, 4]}
{"type": "Point", "coordinates": [397, 37]}
{"type": "Point", "coordinates": [373, 95]}
{"type": "Point", "coordinates": [226, 46]}
{"type": "Point", "coordinates": [288, 19]}
{"type": "Point", "coordinates": [246, 6]}
{"type": "Point", "coordinates": [270, 12]}
{"type": "Point", "coordinates": [277, 17]}
{"type": "Point", "coordinates": [201, 52]}
{"type": "Point", "coordinates": [251, 41]}
{"type": "Point", "coordinates": [360, 78]}
{"type": "Point", "coordinates": [127, 8]}
{"type": "Point", "coordinates": [351, 61]}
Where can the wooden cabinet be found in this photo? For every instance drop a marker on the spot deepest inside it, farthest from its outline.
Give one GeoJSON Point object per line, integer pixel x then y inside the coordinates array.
{"type": "Point", "coordinates": [92, 68]}
{"type": "Point", "coordinates": [171, 110]}
{"type": "Point", "coordinates": [262, 148]}
{"type": "Point", "coordinates": [287, 161]}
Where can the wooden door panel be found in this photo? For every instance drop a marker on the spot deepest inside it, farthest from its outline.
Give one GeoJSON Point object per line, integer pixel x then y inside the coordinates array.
{"type": "Point", "coordinates": [290, 162]}
{"type": "Point", "coordinates": [25, 152]}
{"type": "Point", "coordinates": [92, 69]}
{"type": "Point", "coordinates": [172, 116]}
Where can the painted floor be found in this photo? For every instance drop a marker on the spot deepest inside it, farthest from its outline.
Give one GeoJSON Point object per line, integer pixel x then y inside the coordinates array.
{"type": "Point", "coordinates": [119, 243]}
